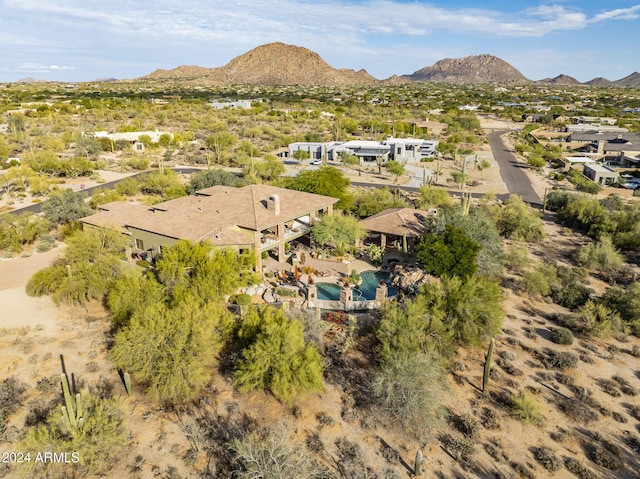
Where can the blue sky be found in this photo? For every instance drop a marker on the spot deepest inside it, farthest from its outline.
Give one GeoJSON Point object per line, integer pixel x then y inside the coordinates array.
{"type": "Point", "coordinates": [82, 40]}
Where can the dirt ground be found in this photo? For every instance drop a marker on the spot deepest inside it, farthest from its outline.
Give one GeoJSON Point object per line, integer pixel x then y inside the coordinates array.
{"type": "Point", "coordinates": [34, 332]}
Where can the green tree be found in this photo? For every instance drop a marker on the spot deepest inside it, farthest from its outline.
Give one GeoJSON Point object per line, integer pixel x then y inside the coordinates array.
{"type": "Point", "coordinates": [18, 231]}
{"type": "Point", "coordinates": [214, 177]}
{"type": "Point", "coordinates": [65, 206]}
{"type": "Point", "coordinates": [431, 197]}
{"type": "Point", "coordinates": [132, 292]}
{"type": "Point", "coordinates": [452, 253]}
{"type": "Point", "coordinates": [172, 350]}
{"type": "Point", "coordinates": [601, 256]}
{"type": "Point", "coordinates": [471, 311]}
{"type": "Point", "coordinates": [166, 184]}
{"type": "Point", "coordinates": [518, 221]}
{"type": "Point", "coordinates": [396, 168]}
{"type": "Point", "coordinates": [275, 356]}
{"type": "Point", "coordinates": [459, 178]}
{"type": "Point", "coordinates": [597, 319]}
{"type": "Point", "coordinates": [202, 270]}
{"type": "Point", "coordinates": [339, 231]}
{"type": "Point", "coordinates": [92, 261]}
{"type": "Point", "coordinates": [301, 155]}
{"type": "Point", "coordinates": [348, 160]}
{"type": "Point", "coordinates": [270, 168]}
{"type": "Point", "coordinates": [412, 389]}
{"type": "Point", "coordinates": [326, 180]}
{"type": "Point", "coordinates": [370, 201]}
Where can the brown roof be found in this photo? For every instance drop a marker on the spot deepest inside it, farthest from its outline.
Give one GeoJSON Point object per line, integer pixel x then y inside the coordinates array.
{"type": "Point", "coordinates": [397, 221]}
{"type": "Point", "coordinates": [218, 213]}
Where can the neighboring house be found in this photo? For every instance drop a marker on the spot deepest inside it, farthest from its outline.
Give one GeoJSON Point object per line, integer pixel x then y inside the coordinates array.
{"type": "Point", "coordinates": [612, 147]}
{"type": "Point", "coordinates": [251, 219]}
{"type": "Point", "coordinates": [396, 225]}
{"type": "Point", "coordinates": [370, 152]}
{"type": "Point", "coordinates": [599, 174]}
{"type": "Point", "coordinates": [219, 104]}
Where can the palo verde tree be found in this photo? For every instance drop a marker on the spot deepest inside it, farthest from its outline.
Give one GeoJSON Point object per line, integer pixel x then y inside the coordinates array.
{"type": "Point", "coordinates": [203, 270]}
{"type": "Point", "coordinates": [214, 177]}
{"type": "Point", "coordinates": [65, 206]}
{"type": "Point", "coordinates": [471, 311]}
{"type": "Point", "coordinates": [327, 181]}
{"type": "Point", "coordinates": [275, 356]}
{"type": "Point", "coordinates": [172, 349]}
{"type": "Point", "coordinates": [91, 262]}
{"type": "Point", "coordinates": [338, 231]}
{"type": "Point", "coordinates": [452, 253]}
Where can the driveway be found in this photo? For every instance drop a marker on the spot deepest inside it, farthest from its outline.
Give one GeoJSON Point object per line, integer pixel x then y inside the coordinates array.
{"type": "Point", "coordinates": [512, 171]}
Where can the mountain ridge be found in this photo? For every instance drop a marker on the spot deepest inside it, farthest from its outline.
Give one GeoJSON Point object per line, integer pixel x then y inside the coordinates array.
{"type": "Point", "coordinates": [282, 64]}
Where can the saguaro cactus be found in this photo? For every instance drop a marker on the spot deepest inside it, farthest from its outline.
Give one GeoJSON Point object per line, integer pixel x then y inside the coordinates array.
{"type": "Point", "coordinates": [127, 383]}
{"type": "Point", "coordinates": [487, 365]}
{"type": "Point", "coordinates": [72, 411]}
{"type": "Point", "coordinates": [417, 468]}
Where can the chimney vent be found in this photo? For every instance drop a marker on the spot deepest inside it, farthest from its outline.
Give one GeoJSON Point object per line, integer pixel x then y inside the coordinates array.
{"type": "Point", "coordinates": [273, 203]}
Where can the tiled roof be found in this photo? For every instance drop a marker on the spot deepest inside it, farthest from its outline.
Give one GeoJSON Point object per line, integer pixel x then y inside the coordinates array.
{"type": "Point", "coordinates": [397, 221]}
{"type": "Point", "coordinates": [219, 213]}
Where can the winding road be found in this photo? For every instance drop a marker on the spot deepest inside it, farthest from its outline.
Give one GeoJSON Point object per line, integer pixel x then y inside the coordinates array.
{"type": "Point", "coordinates": [512, 171]}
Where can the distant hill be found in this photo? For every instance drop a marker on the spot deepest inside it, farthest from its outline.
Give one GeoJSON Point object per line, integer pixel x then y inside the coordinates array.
{"type": "Point", "coordinates": [599, 81]}
{"type": "Point", "coordinates": [630, 80]}
{"type": "Point", "coordinates": [561, 80]}
{"type": "Point", "coordinates": [282, 64]}
{"type": "Point", "coordinates": [476, 69]}
{"type": "Point", "coordinates": [272, 64]}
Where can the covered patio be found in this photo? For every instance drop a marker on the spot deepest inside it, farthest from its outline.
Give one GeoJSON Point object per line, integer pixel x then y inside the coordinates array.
{"type": "Point", "coordinates": [398, 225]}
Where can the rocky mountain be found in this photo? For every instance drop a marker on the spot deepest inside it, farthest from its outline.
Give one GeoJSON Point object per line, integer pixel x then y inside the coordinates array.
{"type": "Point", "coordinates": [561, 80]}
{"type": "Point", "coordinates": [599, 81]}
{"type": "Point", "coordinates": [630, 80]}
{"type": "Point", "coordinates": [272, 64]}
{"type": "Point", "coordinates": [282, 64]}
{"type": "Point", "coordinates": [474, 69]}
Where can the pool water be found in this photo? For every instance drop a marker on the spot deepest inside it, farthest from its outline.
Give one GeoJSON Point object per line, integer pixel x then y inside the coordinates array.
{"type": "Point", "coordinates": [365, 291]}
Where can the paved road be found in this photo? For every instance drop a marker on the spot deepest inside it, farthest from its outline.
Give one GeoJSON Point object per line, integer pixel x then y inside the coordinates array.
{"type": "Point", "coordinates": [512, 171]}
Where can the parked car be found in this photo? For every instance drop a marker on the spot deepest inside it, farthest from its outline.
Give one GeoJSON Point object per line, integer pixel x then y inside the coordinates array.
{"type": "Point", "coordinates": [631, 185]}
{"type": "Point", "coordinates": [316, 162]}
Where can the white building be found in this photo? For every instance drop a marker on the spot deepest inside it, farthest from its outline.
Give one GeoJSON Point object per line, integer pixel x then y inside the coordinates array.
{"type": "Point", "coordinates": [403, 150]}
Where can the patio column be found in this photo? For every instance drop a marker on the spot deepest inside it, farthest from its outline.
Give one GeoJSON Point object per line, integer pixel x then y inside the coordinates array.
{"type": "Point", "coordinates": [257, 244]}
{"type": "Point", "coordinates": [280, 235]}
{"type": "Point", "coordinates": [383, 240]}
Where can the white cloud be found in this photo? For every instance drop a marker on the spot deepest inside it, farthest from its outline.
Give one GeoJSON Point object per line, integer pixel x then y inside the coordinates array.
{"type": "Point", "coordinates": [631, 13]}
{"type": "Point", "coordinates": [334, 20]}
{"type": "Point", "coordinates": [40, 68]}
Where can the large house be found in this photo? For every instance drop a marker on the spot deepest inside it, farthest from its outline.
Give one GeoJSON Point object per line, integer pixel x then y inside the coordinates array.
{"type": "Point", "coordinates": [252, 219]}
{"type": "Point", "coordinates": [368, 151]}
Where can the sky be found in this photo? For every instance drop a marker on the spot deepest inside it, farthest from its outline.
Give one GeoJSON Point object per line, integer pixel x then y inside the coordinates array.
{"type": "Point", "coordinates": [85, 40]}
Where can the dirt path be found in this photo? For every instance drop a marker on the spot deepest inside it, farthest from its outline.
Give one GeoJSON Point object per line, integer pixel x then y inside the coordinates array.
{"type": "Point", "coordinates": [16, 308]}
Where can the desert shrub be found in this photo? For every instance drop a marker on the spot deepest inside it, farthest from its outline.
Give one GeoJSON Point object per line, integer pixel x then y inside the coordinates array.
{"type": "Point", "coordinates": [490, 419]}
{"type": "Point", "coordinates": [517, 258]}
{"type": "Point", "coordinates": [605, 458]}
{"type": "Point", "coordinates": [525, 408]}
{"type": "Point", "coordinates": [99, 442]}
{"type": "Point", "coordinates": [578, 411]}
{"type": "Point", "coordinates": [610, 387]}
{"type": "Point", "coordinates": [523, 470]}
{"type": "Point", "coordinates": [518, 221]}
{"type": "Point", "coordinates": [271, 453]}
{"type": "Point", "coordinates": [571, 295]}
{"type": "Point", "coordinates": [601, 256]}
{"type": "Point", "coordinates": [241, 299]}
{"type": "Point", "coordinates": [467, 424]}
{"type": "Point", "coordinates": [635, 412]}
{"type": "Point", "coordinates": [45, 243]}
{"type": "Point", "coordinates": [598, 320]}
{"type": "Point", "coordinates": [540, 281]}
{"type": "Point", "coordinates": [562, 336]}
{"type": "Point", "coordinates": [324, 419]}
{"type": "Point", "coordinates": [547, 458]}
{"type": "Point", "coordinates": [460, 448]}
{"type": "Point", "coordinates": [558, 360]}
{"type": "Point", "coordinates": [576, 467]}
{"type": "Point", "coordinates": [625, 386]}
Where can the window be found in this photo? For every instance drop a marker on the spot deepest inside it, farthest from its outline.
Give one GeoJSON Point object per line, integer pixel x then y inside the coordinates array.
{"type": "Point", "coordinates": [139, 244]}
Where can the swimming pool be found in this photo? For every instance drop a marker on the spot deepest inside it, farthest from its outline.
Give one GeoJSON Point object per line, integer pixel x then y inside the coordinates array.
{"type": "Point", "coordinates": [364, 291]}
